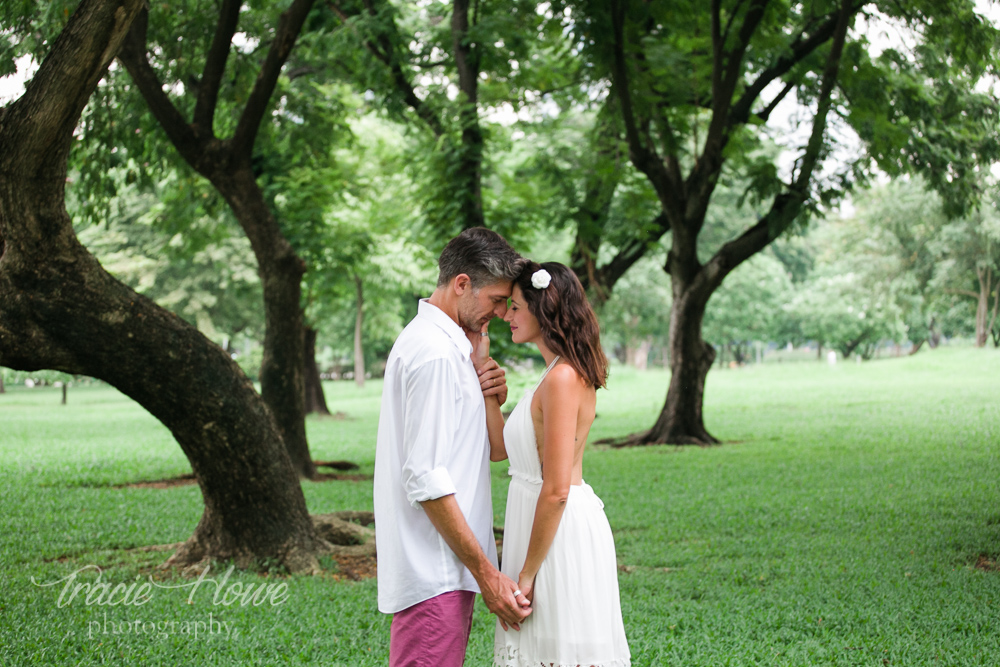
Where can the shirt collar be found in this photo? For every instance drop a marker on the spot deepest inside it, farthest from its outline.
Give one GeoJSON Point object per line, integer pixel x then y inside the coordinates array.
{"type": "Point", "coordinates": [434, 314]}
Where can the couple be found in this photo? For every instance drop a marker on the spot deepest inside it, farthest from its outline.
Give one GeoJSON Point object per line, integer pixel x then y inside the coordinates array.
{"type": "Point", "coordinates": [556, 594]}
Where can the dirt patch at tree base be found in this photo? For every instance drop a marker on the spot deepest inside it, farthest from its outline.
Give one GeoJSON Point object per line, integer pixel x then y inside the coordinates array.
{"type": "Point", "coordinates": [987, 564]}
{"type": "Point", "coordinates": [188, 478]}
{"type": "Point", "coordinates": [356, 568]}
{"type": "Point", "coordinates": [334, 476]}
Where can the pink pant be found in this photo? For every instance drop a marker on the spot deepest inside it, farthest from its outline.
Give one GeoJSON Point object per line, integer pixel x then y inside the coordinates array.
{"type": "Point", "coordinates": [432, 633]}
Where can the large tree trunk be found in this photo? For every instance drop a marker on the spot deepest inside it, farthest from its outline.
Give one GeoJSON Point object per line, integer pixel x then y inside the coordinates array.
{"type": "Point", "coordinates": [681, 422]}
{"type": "Point", "coordinates": [227, 165]}
{"type": "Point", "coordinates": [359, 351]}
{"type": "Point", "coordinates": [60, 310]}
{"type": "Point", "coordinates": [315, 400]}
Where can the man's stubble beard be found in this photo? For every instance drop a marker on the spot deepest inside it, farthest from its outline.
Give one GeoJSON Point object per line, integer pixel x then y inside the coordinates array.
{"type": "Point", "coordinates": [467, 316]}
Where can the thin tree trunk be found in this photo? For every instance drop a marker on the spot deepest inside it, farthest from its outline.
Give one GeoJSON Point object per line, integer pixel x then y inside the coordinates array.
{"type": "Point", "coordinates": [989, 329]}
{"type": "Point", "coordinates": [982, 305]}
{"type": "Point", "coordinates": [315, 400]}
{"type": "Point", "coordinates": [282, 383]}
{"type": "Point", "coordinates": [916, 348]}
{"type": "Point", "coordinates": [934, 339]}
{"type": "Point", "coordinates": [359, 352]}
{"type": "Point", "coordinates": [470, 168]}
{"type": "Point", "coordinates": [59, 309]}
{"type": "Point", "coordinates": [3, 390]}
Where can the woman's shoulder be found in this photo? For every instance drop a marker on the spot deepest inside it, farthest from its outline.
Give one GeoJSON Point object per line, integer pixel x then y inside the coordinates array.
{"type": "Point", "coordinates": [564, 377]}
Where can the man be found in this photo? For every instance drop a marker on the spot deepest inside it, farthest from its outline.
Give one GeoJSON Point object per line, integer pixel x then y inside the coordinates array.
{"type": "Point", "coordinates": [433, 506]}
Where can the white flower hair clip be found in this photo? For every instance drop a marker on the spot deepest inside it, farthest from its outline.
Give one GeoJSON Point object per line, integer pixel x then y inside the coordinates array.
{"type": "Point", "coordinates": [540, 279]}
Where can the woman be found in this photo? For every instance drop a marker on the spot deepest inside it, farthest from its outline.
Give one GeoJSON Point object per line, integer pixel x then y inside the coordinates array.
{"type": "Point", "coordinates": [557, 542]}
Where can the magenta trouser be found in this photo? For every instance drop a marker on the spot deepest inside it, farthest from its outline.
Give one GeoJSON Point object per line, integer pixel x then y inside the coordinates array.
{"type": "Point", "coordinates": [432, 633]}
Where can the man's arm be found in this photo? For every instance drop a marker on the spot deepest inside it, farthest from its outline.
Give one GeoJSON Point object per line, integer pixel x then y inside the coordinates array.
{"type": "Point", "coordinates": [497, 589]}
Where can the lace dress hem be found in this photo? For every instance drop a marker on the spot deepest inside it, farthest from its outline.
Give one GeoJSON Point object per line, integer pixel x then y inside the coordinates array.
{"type": "Point", "coordinates": [504, 656]}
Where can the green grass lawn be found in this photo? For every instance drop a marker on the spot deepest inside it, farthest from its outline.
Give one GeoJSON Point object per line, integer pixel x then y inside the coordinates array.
{"type": "Point", "coordinates": [839, 525]}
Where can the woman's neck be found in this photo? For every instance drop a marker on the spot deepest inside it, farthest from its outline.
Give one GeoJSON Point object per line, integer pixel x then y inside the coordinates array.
{"type": "Point", "coordinates": [547, 354]}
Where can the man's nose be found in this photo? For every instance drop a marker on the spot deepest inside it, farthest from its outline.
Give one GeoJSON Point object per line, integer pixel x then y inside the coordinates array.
{"type": "Point", "coordinates": [501, 310]}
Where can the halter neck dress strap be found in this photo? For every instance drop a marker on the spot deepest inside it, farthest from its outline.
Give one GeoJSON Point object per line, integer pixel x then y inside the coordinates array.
{"type": "Point", "coordinates": [549, 368]}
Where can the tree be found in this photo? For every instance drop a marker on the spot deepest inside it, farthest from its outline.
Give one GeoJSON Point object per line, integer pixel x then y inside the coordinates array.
{"type": "Point", "coordinates": [372, 263]}
{"type": "Point", "coordinates": [210, 279]}
{"type": "Point", "coordinates": [696, 85]}
{"type": "Point", "coordinates": [59, 309]}
{"type": "Point", "coordinates": [748, 306]}
{"type": "Point", "coordinates": [441, 72]}
{"type": "Point", "coordinates": [969, 252]}
{"type": "Point", "coordinates": [190, 120]}
{"type": "Point", "coordinates": [941, 256]}
{"type": "Point", "coordinates": [903, 220]}
{"type": "Point", "coordinates": [858, 294]}
{"type": "Point", "coordinates": [632, 318]}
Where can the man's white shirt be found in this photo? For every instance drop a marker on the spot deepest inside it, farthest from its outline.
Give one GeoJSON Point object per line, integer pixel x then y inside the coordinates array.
{"type": "Point", "coordinates": [432, 442]}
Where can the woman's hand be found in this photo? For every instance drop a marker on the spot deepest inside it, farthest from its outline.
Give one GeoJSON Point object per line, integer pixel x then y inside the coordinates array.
{"type": "Point", "coordinates": [526, 585]}
{"type": "Point", "coordinates": [493, 380]}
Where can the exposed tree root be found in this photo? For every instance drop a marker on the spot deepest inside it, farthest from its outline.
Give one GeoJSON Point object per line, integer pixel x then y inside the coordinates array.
{"type": "Point", "coordinates": [343, 535]}
{"type": "Point", "coordinates": [336, 465]}
{"type": "Point", "coordinates": [641, 438]}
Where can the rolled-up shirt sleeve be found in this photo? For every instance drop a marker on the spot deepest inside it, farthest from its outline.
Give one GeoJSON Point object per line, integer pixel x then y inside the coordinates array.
{"type": "Point", "coordinates": [430, 426]}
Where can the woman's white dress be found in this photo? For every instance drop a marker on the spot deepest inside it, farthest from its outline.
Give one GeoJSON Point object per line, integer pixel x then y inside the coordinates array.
{"type": "Point", "coordinates": [576, 617]}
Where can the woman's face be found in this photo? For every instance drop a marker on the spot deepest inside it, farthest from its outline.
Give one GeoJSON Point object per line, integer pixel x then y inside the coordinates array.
{"type": "Point", "coordinates": [523, 325]}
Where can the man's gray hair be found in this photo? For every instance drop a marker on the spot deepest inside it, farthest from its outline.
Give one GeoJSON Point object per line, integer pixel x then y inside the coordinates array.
{"type": "Point", "coordinates": [481, 254]}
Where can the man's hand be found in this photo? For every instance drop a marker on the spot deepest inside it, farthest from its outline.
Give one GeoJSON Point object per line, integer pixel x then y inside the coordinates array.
{"type": "Point", "coordinates": [497, 590]}
{"type": "Point", "coordinates": [480, 345]}
{"type": "Point", "coordinates": [498, 594]}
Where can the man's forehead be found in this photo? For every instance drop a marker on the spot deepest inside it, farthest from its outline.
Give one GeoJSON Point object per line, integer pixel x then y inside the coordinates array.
{"type": "Point", "coordinates": [498, 289]}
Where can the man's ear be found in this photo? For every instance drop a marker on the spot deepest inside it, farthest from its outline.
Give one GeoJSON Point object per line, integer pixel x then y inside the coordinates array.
{"type": "Point", "coordinates": [461, 283]}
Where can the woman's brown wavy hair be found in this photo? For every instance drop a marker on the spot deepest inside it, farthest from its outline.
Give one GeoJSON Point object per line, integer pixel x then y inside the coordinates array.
{"type": "Point", "coordinates": [569, 326]}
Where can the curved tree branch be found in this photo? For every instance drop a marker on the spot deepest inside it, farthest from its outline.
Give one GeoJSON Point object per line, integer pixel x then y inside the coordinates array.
{"type": "Point", "coordinates": [215, 66]}
{"type": "Point", "coordinates": [383, 49]}
{"type": "Point", "coordinates": [133, 57]}
{"type": "Point", "coordinates": [641, 149]}
{"type": "Point", "coordinates": [799, 49]}
{"type": "Point", "coordinates": [43, 118]}
{"type": "Point", "coordinates": [788, 204]}
{"type": "Point", "coordinates": [288, 30]}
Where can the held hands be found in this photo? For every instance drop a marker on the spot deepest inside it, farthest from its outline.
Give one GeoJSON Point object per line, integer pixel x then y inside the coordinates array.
{"type": "Point", "coordinates": [498, 595]}
{"type": "Point", "coordinates": [492, 378]}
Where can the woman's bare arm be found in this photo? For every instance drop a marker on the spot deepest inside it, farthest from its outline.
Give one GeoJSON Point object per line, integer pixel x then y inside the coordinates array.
{"type": "Point", "coordinates": [494, 425]}
{"type": "Point", "coordinates": [560, 397]}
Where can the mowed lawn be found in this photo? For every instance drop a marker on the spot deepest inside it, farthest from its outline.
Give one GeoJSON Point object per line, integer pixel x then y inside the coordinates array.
{"type": "Point", "coordinates": [840, 524]}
